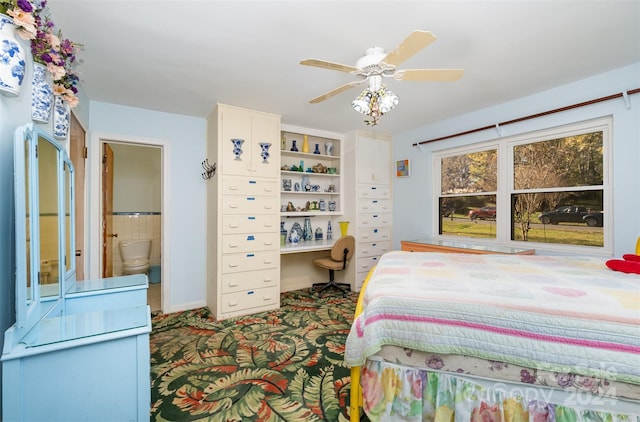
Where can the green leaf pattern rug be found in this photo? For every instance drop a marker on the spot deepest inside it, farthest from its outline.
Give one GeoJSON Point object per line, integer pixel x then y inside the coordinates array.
{"type": "Point", "coordinates": [282, 365]}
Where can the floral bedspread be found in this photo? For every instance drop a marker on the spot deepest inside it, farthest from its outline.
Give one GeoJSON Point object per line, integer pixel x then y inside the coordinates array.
{"type": "Point", "coordinates": [559, 314]}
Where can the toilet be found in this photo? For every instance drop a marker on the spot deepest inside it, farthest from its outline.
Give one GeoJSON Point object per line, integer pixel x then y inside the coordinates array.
{"type": "Point", "coordinates": [135, 256]}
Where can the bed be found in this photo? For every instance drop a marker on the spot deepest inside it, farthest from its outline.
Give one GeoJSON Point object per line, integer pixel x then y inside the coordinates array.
{"type": "Point", "coordinates": [442, 336]}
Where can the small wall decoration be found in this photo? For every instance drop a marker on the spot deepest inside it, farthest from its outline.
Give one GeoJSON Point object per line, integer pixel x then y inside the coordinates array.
{"type": "Point", "coordinates": [402, 168]}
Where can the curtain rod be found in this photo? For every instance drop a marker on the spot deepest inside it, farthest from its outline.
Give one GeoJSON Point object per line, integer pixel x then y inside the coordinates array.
{"type": "Point", "coordinates": [533, 116]}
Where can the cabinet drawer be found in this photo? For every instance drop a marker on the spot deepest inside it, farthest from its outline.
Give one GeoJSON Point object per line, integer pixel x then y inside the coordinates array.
{"type": "Point", "coordinates": [249, 186]}
{"type": "Point", "coordinates": [250, 242]}
{"type": "Point", "coordinates": [250, 261]}
{"type": "Point", "coordinates": [257, 298]}
{"type": "Point", "coordinates": [374, 233]}
{"type": "Point", "coordinates": [365, 264]}
{"type": "Point", "coordinates": [237, 282]}
{"type": "Point", "coordinates": [374, 205]}
{"type": "Point", "coordinates": [368, 249]}
{"type": "Point", "coordinates": [374, 191]}
{"type": "Point", "coordinates": [249, 204]}
{"type": "Point", "coordinates": [375, 220]}
{"type": "Point", "coordinates": [259, 223]}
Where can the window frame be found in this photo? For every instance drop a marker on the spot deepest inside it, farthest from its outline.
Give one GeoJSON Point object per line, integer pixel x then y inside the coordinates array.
{"type": "Point", "coordinates": [505, 186]}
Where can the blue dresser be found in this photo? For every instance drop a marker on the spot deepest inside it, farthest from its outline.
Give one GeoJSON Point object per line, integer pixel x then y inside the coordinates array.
{"type": "Point", "coordinates": [79, 349]}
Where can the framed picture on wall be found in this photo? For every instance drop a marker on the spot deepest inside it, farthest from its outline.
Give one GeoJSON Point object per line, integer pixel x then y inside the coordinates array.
{"type": "Point", "coordinates": [402, 168]}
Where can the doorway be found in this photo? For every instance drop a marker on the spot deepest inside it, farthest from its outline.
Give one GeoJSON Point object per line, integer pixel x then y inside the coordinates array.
{"type": "Point", "coordinates": [131, 208]}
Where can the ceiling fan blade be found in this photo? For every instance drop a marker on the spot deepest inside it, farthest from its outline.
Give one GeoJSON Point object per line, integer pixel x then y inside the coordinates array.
{"type": "Point", "coordinates": [436, 75]}
{"type": "Point", "coordinates": [329, 65]}
{"type": "Point", "coordinates": [415, 42]}
{"type": "Point", "coordinates": [336, 91]}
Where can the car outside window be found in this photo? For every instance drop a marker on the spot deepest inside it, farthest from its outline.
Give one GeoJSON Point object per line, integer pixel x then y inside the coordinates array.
{"type": "Point", "coordinates": [552, 188]}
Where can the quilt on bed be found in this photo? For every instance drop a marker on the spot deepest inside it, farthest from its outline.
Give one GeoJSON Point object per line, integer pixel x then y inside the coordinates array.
{"type": "Point", "coordinates": [562, 314]}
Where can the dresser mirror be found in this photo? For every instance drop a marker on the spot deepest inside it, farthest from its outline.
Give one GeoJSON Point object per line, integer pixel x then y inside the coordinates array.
{"type": "Point", "coordinates": [44, 196]}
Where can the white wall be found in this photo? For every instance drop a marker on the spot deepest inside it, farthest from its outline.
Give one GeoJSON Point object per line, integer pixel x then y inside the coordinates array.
{"type": "Point", "coordinates": [413, 215]}
{"type": "Point", "coordinates": [183, 139]}
{"type": "Point", "coordinates": [137, 172]}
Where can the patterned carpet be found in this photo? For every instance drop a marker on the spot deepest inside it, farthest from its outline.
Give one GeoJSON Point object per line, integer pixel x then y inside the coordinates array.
{"type": "Point", "coordinates": [282, 365]}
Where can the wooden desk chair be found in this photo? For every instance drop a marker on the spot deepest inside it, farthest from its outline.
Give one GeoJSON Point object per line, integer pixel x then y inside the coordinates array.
{"type": "Point", "coordinates": [341, 252]}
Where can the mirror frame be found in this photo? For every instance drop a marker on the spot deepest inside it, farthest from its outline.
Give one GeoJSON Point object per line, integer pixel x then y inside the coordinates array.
{"type": "Point", "coordinates": [26, 182]}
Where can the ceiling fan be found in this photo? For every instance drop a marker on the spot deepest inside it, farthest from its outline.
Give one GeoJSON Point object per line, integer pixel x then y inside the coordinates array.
{"type": "Point", "coordinates": [375, 65]}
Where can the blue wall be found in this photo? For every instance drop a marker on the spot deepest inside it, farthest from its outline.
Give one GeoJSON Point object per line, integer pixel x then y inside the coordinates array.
{"type": "Point", "coordinates": [413, 214]}
{"type": "Point", "coordinates": [184, 140]}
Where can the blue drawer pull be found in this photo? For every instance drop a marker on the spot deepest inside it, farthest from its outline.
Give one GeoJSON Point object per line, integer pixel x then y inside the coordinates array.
{"type": "Point", "coordinates": [375, 201]}
{"type": "Point", "coordinates": [375, 230]}
{"type": "Point", "coordinates": [373, 244]}
{"type": "Point", "coordinates": [249, 255]}
{"type": "Point", "coordinates": [375, 215]}
{"type": "Point", "coordinates": [250, 292]}
{"type": "Point", "coordinates": [251, 198]}
{"type": "Point", "coordinates": [251, 237]}
{"type": "Point", "coordinates": [251, 218]}
{"type": "Point", "coordinates": [374, 188]}
{"type": "Point", "coordinates": [252, 182]}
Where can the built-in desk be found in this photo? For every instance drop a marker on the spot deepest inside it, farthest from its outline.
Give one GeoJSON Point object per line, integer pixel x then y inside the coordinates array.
{"type": "Point", "coordinates": [308, 246]}
{"type": "Point", "coordinates": [430, 245]}
{"type": "Point", "coordinates": [296, 264]}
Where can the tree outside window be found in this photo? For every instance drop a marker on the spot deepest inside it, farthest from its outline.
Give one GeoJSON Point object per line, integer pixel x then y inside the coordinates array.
{"type": "Point", "coordinates": [553, 186]}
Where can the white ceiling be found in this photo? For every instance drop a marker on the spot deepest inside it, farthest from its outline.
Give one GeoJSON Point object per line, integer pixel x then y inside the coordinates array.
{"type": "Point", "coordinates": [186, 56]}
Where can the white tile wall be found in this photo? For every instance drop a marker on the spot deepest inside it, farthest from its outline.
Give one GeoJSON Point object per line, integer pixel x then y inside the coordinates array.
{"type": "Point", "coordinates": [135, 226]}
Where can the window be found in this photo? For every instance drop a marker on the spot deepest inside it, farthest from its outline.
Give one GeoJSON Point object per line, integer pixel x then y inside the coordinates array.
{"type": "Point", "coordinates": [547, 187]}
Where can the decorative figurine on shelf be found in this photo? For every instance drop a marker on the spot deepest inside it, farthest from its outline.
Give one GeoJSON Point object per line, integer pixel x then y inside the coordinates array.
{"type": "Point", "coordinates": [283, 234]}
{"type": "Point", "coordinates": [286, 185]}
{"type": "Point", "coordinates": [318, 233]}
{"type": "Point", "coordinates": [319, 168]}
{"type": "Point", "coordinates": [294, 148]}
{"type": "Point", "coordinates": [322, 205]}
{"type": "Point", "coordinates": [317, 150]}
{"type": "Point", "coordinates": [264, 151]}
{"type": "Point", "coordinates": [307, 232]}
{"type": "Point", "coordinates": [237, 147]}
{"type": "Point", "coordinates": [283, 142]}
{"type": "Point", "coordinates": [306, 184]}
{"type": "Point", "coordinates": [305, 144]}
{"type": "Point", "coordinates": [329, 231]}
{"type": "Point", "coordinates": [314, 206]}
{"type": "Point", "coordinates": [290, 207]}
{"type": "Point", "coordinates": [296, 187]}
{"type": "Point", "coordinates": [295, 235]}
{"type": "Point", "coordinates": [328, 148]}
{"type": "Point", "coordinates": [332, 205]}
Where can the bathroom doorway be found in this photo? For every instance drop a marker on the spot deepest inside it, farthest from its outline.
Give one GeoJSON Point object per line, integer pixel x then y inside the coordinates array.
{"type": "Point", "coordinates": [131, 179]}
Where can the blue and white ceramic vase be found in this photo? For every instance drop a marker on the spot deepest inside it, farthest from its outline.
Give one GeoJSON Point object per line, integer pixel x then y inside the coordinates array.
{"type": "Point", "coordinates": [41, 94]}
{"type": "Point", "coordinates": [60, 118]}
{"type": "Point", "coordinates": [12, 58]}
{"type": "Point", "coordinates": [237, 147]}
{"type": "Point", "coordinates": [307, 232]}
{"type": "Point", "coordinates": [264, 151]}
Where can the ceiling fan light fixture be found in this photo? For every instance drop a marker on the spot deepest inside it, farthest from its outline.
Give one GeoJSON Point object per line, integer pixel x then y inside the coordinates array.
{"type": "Point", "coordinates": [362, 104]}
{"type": "Point", "coordinates": [375, 103]}
{"type": "Point", "coordinates": [387, 100]}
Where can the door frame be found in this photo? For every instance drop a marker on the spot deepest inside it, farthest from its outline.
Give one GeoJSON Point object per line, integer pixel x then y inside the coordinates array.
{"type": "Point", "coordinates": [95, 205]}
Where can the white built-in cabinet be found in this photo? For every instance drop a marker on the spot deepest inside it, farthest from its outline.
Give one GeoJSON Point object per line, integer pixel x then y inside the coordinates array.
{"type": "Point", "coordinates": [368, 199]}
{"type": "Point", "coordinates": [243, 212]}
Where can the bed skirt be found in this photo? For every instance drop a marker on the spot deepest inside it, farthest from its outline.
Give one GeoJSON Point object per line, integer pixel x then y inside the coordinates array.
{"type": "Point", "coordinates": [393, 392]}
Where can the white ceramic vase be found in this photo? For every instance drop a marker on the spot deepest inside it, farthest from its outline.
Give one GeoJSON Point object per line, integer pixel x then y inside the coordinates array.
{"type": "Point", "coordinates": [12, 58]}
{"type": "Point", "coordinates": [41, 94]}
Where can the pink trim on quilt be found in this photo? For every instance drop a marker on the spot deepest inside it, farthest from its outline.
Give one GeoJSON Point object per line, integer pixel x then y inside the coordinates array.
{"type": "Point", "coordinates": [506, 331]}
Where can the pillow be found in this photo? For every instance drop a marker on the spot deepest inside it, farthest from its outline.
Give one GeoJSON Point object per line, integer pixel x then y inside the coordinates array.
{"type": "Point", "coordinates": [630, 264]}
